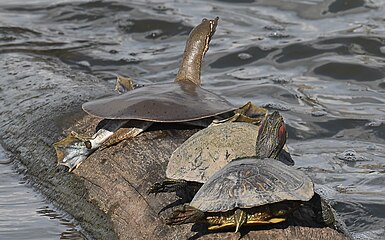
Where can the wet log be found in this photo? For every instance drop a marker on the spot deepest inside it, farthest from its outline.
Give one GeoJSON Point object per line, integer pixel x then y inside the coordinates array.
{"type": "Point", "coordinates": [107, 194]}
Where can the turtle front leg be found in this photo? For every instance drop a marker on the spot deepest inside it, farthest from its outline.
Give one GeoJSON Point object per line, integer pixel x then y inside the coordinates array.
{"type": "Point", "coordinates": [75, 148]}
{"type": "Point", "coordinates": [251, 113]}
{"type": "Point", "coordinates": [184, 189]}
{"type": "Point", "coordinates": [72, 150]}
{"type": "Point", "coordinates": [185, 214]}
{"type": "Point", "coordinates": [168, 185]}
{"type": "Point", "coordinates": [248, 113]}
{"type": "Point", "coordinates": [123, 84]}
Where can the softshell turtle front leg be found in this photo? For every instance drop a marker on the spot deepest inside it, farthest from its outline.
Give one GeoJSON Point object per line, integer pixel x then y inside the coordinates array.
{"type": "Point", "coordinates": [75, 148]}
{"type": "Point", "coordinates": [250, 113]}
{"type": "Point", "coordinates": [131, 129]}
{"type": "Point", "coordinates": [123, 84]}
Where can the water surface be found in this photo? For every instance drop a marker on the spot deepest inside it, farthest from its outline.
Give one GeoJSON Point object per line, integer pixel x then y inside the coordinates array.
{"type": "Point", "coordinates": [25, 214]}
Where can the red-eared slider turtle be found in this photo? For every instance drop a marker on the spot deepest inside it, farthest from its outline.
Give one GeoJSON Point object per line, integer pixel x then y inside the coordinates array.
{"type": "Point", "coordinates": [249, 191]}
{"type": "Point", "coordinates": [210, 149]}
{"type": "Point", "coordinates": [180, 101]}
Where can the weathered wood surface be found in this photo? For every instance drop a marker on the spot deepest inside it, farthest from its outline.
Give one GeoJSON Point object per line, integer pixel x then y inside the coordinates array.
{"type": "Point", "coordinates": [107, 194]}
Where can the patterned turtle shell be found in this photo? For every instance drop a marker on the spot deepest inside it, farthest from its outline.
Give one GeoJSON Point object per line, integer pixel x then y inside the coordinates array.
{"type": "Point", "coordinates": [251, 182]}
{"type": "Point", "coordinates": [210, 149]}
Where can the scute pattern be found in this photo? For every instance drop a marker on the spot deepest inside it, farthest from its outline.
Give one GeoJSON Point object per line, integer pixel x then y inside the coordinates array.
{"type": "Point", "coordinates": [251, 182]}
{"type": "Point", "coordinates": [210, 149]}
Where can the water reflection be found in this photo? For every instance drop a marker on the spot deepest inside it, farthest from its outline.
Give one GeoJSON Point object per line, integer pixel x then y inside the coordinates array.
{"type": "Point", "coordinates": [25, 214]}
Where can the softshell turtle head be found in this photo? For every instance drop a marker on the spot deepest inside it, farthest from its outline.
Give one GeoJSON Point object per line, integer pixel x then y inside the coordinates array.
{"type": "Point", "coordinates": [196, 47]}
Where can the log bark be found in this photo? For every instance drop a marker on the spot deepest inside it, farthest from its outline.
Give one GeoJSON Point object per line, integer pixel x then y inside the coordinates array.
{"type": "Point", "coordinates": [107, 194]}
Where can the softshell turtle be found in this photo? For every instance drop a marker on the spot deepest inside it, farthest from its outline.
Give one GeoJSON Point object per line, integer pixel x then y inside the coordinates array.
{"type": "Point", "coordinates": [250, 191]}
{"type": "Point", "coordinates": [180, 101]}
{"type": "Point", "coordinates": [210, 149]}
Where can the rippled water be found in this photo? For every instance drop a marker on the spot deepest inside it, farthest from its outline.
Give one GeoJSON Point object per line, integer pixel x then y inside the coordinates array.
{"type": "Point", "coordinates": [322, 63]}
{"type": "Point", "coordinates": [24, 214]}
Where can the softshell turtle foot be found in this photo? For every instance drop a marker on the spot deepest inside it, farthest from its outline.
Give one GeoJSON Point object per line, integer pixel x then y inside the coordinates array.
{"type": "Point", "coordinates": [75, 148]}
{"type": "Point", "coordinates": [248, 113]}
{"type": "Point", "coordinates": [72, 150]}
{"type": "Point", "coordinates": [123, 84]}
{"type": "Point", "coordinates": [251, 113]}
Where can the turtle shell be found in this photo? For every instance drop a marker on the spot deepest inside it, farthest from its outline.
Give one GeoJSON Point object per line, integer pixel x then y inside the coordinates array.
{"type": "Point", "coordinates": [210, 149]}
{"type": "Point", "coordinates": [252, 182]}
{"type": "Point", "coordinates": [167, 102]}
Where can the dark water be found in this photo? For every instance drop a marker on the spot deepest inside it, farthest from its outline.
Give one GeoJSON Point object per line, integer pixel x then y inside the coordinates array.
{"type": "Point", "coordinates": [322, 63]}
{"type": "Point", "coordinates": [25, 214]}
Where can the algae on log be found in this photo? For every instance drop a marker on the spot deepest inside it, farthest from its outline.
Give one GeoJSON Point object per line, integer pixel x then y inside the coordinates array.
{"type": "Point", "coordinates": [107, 194]}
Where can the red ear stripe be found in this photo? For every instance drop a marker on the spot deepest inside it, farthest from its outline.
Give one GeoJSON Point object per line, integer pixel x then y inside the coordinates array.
{"type": "Point", "coordinates": [282, 130]}
{"type": "Point", "coordinates": [260, 129]}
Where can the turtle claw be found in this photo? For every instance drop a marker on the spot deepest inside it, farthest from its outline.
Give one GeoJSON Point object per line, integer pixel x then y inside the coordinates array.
{"type": "Point", "coordinates": [72, 150]}
{"type": "Point", "coordinates": [233, 118]}
{"type": "Point", "coordinates": [184, 189]}
{"type": "Point", "coordinates": [247, 113]}
{"type": "Point", "coordinates": [75, 148]}
{"type": "Point", "coordinates": [185, 214]}
{"type": "Point", "coordinates": [251, 113]}
{"type": "Point", "coordinates": [123, 84]}
{"type": "Point", "coordinates": [169, 185]}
